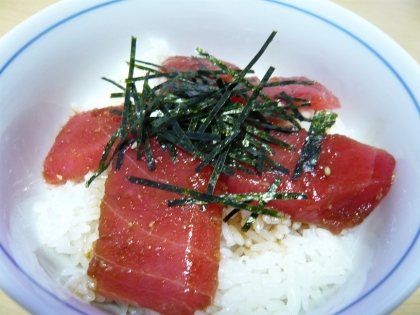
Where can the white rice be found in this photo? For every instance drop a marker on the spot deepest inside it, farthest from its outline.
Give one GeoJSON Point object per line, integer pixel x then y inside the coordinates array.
{"type": "Point", "coordinates": [67, 222]}
{"type": "Point", "coordinates": [279, 267]}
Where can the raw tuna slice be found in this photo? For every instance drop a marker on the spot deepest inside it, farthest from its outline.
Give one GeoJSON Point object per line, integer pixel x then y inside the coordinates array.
{"type": "Point", "coordinates": [349, 181]}
{"type": "Point", "coordinates": [149, 254]}
{"type": "Point", "coordinates": [183, 63]}
{"type": "Point", "coordinates": [321, 98]}
{"type": "Point", "coordinates": [79, 145]}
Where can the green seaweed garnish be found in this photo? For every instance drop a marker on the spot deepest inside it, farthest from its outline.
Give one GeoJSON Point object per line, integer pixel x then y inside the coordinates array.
{"type": "Point", "coordinates": [251, 219]}
{"type": "Point", "coordinates": [320, 124]}
{"type": "Point", "coordinates": [226, 123]}
{"type": "Point", "coordinates": [240, 201]}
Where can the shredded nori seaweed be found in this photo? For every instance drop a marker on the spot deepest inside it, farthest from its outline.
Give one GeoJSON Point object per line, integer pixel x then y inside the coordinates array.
{"type": "Point", "coordinates": [320, 124]}
{"type": "Point", "coordinates": [226, 123]}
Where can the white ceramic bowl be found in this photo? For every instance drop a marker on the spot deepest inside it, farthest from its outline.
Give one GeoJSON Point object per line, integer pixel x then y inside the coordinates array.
{"type": "Point", "coordinates": [57, 57]}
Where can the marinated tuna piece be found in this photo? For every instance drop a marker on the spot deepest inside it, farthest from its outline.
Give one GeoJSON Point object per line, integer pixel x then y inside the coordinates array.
{"type": "Point", "coordinates": [320, 97]}
{"type": "Point", "coordinates": [183, 63]}
{"type": "Point", "coordinates": [79, 146]}
{"type": "Point", "coordinates": [349, 181]}
{"type": "Point", "coordinates": [148, 254]}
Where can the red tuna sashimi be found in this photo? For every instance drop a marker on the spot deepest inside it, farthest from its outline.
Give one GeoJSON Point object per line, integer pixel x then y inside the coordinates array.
{"type": "Point", "coordinates": [183, 63]}
{"type": "Point", "coordinates": [79, 146]}
{"type": "Point", "coordinates": [148, 254]}
{"type": "Point", "coordinates": [321, 98]}
{"type": "Point", "coordinates": [349, 181]}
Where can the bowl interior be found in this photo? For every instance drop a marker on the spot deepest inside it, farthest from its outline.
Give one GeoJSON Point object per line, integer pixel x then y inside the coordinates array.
{"type": "Point", "coordinates": [60, 64]}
